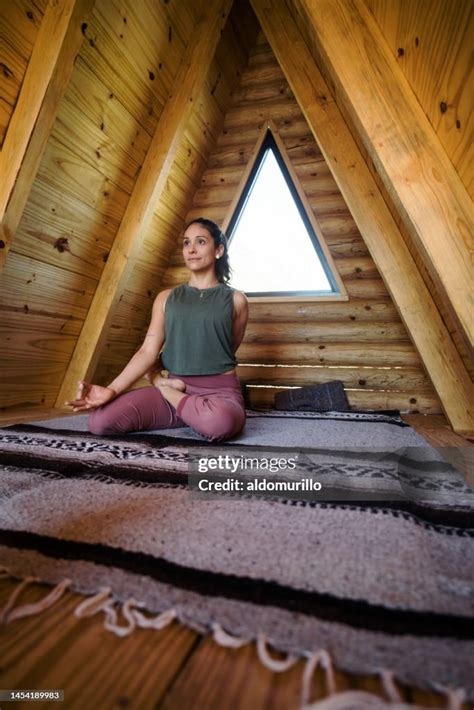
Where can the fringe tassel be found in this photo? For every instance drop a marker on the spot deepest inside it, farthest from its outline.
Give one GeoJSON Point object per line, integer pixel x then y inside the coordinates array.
{"type": "Point", "coordinates": [158, 622]}
{"type": "Point", "coordinates": [272, 663]}
{"type": "Point", "coordinates": [136, 618]}
{"type": "Point", "coordinates": [12, 599]}
{"type": "Point", "coordinates": [388, 682]}
{"type": "Point", "coordinates": [320, 657]}
{"type": "Point", "coordinates": [222, 638]}
{"type": "Point", "coordinates": [37, 607]}
{"type": "Point", "coordinates": [92, 605]}
{"type": "Point", "coordinates": [8, 613]}
{"type": "Point", "coordinates": [111, 623]}
{"type": "Point", "coordinates": [103, 601]}
{"type": "Point", "coordinates": [356, 700]}
{"type": "Point", "coordinates": [454, 696]}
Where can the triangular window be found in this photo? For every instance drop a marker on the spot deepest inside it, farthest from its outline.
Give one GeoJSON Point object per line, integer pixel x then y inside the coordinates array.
{"type": "Point", "coordinates": [273, 247]}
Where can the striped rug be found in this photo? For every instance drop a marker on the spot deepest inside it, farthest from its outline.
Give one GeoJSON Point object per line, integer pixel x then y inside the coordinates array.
{"type": "Point", "coordinates": [375, 566]}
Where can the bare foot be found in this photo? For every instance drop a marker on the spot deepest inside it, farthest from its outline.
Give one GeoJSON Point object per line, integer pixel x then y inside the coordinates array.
{"type": "Point", "coordinates": [175, 384]}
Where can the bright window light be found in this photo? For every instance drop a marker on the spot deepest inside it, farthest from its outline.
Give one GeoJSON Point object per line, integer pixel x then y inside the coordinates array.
{"type": "Point", "coordinates": [270, 248]}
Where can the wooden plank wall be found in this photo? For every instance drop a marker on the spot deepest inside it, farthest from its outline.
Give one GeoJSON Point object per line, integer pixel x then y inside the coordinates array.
{"type": "Point", "coordinates": [19, 25]}
{"type": "Point", "coordinates": [433, 43]}
{"type": "Point", "coordinates": [126, 66]}
{"type": "Point", "coordinates": [362, 341]}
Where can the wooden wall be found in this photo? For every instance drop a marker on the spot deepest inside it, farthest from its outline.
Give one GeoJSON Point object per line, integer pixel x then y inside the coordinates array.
{"type": "Point", "coordinates": [433, 45]}
{"type": "Point", "coordinates": [129, 57]}
{"type": "Point", "coordinates": [362, 341]}
{"type": "Point", "coordinates": [19, 25]}
{"type": "Point", "coordinates": [440, 60]}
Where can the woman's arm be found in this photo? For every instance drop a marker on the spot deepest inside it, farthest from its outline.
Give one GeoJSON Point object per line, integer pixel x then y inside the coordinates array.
{"type": "Point", "coordinates": [145, 357]}
{"type": "Point", "coordinates": [240, 318]}
{"type": "Point", "coordinates": [90, 396]}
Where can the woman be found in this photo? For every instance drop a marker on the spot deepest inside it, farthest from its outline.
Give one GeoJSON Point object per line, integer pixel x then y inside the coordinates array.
{"type": "Point", "coordinates": [201, 324]}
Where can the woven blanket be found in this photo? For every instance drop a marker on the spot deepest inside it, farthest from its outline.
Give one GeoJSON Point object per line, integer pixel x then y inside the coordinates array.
{"type": "Point", "coordinates": [372, 562]}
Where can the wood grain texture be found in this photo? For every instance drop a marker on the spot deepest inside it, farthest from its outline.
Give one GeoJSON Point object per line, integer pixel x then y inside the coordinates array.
{"type": "Point", "coordinates": [432, 44]}
{"type": "Point", "coordinates": [57, 43]}
{"type": "Point", "coordinates": [369, 211]}
{"type": "Point", "coordinates": [465, 352]}
{"type": "Point", "coordinates": [370, 378]}
{"type": "Point", "coordinates": [112, 107]}
{"type": "Point", "coordinates": [19, 25]}
{"type": "Point", "coordinates": [425, 188]}
{"type": "Point", "coordinates": [94, 667]}
{"type": "Point", "coordinates": [147, 191]}
{"type": "Point", "coordinates": [89, 167]}
{"type": "Point", "coordinates": [390, 354]}
{"type": "Point", "coordinates": [42, 308]}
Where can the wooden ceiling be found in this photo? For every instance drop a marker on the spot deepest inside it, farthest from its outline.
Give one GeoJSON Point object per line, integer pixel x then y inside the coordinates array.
{"type": "Point", "coordinates": [113, 111]}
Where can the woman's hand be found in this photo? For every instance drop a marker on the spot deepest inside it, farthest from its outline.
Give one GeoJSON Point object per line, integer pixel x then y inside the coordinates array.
{"type": "Point", "coordinates": [152, 374]}
{"type": "Point", "coordinates": [90, 396]}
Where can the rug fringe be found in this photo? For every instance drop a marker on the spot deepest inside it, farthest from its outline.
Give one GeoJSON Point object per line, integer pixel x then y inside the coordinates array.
{"type": "Point", "coordinates": [455, 696]}
{"type": "Point", "coordinates": [91, 605]}
{"type": "Point", "coordinates": [388, 682]}
{"type": "Point", "coordinates": [8, 613]}
{"type": "Point", "coordinates": [322, 658]}
{"type": "Point", "coordinates": [157, 622]}
{"type": "Point", "coordinates": [222, 638]}
{"type": "Point", "coordinates": [272, 663]}
{"type": "Point", "coordinates": [358, 700]}
{"type": "Point", "coordinates": [104, 601]}
{"type": "Point", "coordinates": [362, 699]}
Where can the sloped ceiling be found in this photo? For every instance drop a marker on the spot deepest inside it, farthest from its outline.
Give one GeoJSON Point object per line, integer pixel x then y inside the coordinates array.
{"type": "Point", "coordinates": [120, 85]}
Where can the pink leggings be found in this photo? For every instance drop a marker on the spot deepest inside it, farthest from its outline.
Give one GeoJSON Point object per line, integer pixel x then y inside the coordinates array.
{"type": "Point", "coordinates": [213, 406]}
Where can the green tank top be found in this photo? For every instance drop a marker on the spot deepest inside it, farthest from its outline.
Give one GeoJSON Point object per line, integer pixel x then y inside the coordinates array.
{"type": "Point", "coordinates": [198, 330]}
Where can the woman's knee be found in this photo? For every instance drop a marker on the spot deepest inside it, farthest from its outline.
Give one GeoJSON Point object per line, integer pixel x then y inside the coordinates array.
{"type": "Point", "coordinates": [222, 424]}
{"type": "Point", "coordinates": [98, 423]}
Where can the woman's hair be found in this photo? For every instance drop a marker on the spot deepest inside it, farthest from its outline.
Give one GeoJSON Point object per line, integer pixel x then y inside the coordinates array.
{"type": "Point", "coordinates": [222, 265]}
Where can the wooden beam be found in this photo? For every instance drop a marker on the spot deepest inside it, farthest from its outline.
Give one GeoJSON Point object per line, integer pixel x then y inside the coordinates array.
{"type": "Point", "coordinates": [52, 61]}
{"type": "Point", "coordinates": [146, 194]}
{"type": "Point", "coordinates": [422, 182]}
{"type": "Point", "coordinates": [374, 220]}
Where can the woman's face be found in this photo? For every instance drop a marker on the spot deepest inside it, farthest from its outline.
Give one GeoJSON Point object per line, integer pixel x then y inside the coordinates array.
{"type": "Point", "coordinates": [199, 250]}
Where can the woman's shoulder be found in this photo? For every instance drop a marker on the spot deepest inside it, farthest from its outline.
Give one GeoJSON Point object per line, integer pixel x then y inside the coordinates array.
{"type": "Point", "coordinates": [240, 301]}
{"type": "Point", "coordinates": [162, 298]}
{"type": "Point", "coordinates": [239, 296]}
{"type": "Point", "coordinates": [175, 290]}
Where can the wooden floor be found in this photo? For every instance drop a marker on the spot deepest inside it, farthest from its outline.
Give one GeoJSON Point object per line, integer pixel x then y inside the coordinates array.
{"type": "Point", "coordinates": [174, 668]}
